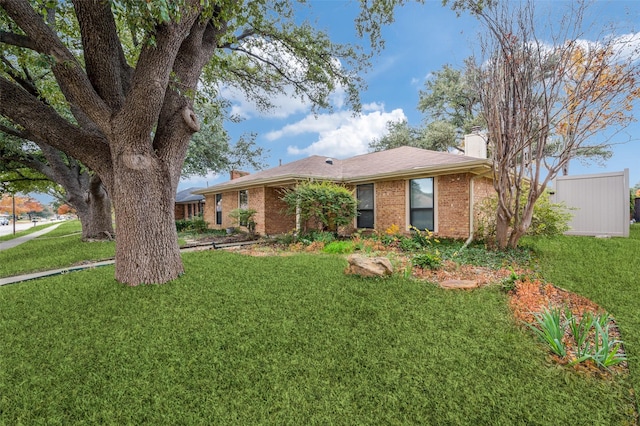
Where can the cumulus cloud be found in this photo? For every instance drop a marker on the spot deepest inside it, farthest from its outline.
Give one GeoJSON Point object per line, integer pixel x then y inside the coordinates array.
{"type": "Point", "coordinates": [342, 134]}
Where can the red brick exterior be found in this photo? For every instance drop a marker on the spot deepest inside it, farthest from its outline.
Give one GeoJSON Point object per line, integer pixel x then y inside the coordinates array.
{"type": "Point", "coordinates": [187, 210]}
{"type": "Point", "coordinates": [391, 206]}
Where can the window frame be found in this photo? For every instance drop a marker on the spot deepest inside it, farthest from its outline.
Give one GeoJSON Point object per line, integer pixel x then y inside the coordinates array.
{"type": "Point", "coordinates": [218, 207]}
{"type": "Point", "coordinates": [430, 210]}
{"type": "Point", "coordinates": [359, 225]}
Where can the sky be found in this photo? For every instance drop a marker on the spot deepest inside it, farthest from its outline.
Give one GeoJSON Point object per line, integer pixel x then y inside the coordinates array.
{"type": "Point", "coordinates": [423, 38]}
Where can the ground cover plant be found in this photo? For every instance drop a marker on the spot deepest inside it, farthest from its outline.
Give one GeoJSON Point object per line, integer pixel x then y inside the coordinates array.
{"type": "Point", "coordinates": [59, 248]}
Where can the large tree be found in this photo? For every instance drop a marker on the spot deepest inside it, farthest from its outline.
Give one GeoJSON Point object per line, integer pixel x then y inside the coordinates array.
{"type": "Point", "coordinates": [32, 166]}
{"type": "Point", "coordinates": [132, 109]}
{"type": "Point", "coordinates": [535, 91]}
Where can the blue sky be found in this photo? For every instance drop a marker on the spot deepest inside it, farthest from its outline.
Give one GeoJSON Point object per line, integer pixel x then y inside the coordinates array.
{"type": "Point", "coordinates": [422, 40]}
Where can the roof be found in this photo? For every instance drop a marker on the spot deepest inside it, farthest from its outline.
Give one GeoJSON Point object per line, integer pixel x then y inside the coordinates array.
{"type": "Point", "coordinates": [187, 196]}
{"type": "Point", "coordinates": [402, 162]}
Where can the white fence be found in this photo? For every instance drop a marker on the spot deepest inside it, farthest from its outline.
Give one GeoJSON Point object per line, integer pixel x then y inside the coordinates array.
{"type": "Point", "coordinates": [600, 203]}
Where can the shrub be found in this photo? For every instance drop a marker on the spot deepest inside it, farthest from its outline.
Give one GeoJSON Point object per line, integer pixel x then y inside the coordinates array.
{"type": "Point", "coordinates": [549, 329]}
{"type": "Point", "coordinates": [549, 219]}
{"type": "Point", "coordinates": [430, 260]}
{"type": "Point", "coordinates": [196, 224]}
{"type": "Point", "coordinates": [326, 204]}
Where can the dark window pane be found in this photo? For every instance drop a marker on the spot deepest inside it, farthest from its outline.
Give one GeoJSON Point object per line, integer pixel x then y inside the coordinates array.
{"type": "Point", "coordinates": [365, 219]}
{"type": "Point", "coordinates": [365, 196]}
{"type": "Point", "coordinates": [422, 218]}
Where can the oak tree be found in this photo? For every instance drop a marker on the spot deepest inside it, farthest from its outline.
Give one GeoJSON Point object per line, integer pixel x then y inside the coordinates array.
{"type": "Point", "coordinates": [131, 109]}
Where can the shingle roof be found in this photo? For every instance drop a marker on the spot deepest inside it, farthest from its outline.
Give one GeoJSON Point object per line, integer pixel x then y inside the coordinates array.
{"type": "Point", "coordinates": [187, 196]}
{"type": "Point", "coordinates": [404, 161]}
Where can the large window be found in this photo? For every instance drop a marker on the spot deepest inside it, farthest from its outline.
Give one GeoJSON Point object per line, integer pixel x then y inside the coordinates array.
{"type": "Point", "coordinates": [421, 203]}
{"type": "Point", "coordinates": [218, 209]}
{"type": "Point", "coordinates": [364, 194]}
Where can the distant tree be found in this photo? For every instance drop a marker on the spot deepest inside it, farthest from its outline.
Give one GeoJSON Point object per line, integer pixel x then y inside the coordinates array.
{"type": "Point", "coordinates": [65, 209]}
{"type": "Point", "coordinates": [23, 205]}
{"type": "Point", "coordinates": [532, 91]}
{"type": "Point", "coordinates": [450, 98]}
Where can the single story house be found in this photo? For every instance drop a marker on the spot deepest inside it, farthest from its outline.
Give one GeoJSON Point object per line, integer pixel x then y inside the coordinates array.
{"type": "Point", "coordinates": [404, 186]}
{"type": "Point", "coordinates": [188, 204]}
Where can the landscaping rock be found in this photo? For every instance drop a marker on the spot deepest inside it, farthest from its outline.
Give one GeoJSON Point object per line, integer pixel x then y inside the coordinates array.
{"type": "Point", "coordinates": [368, 266]}
{"type": "Point", "coordinates": [459, 284]}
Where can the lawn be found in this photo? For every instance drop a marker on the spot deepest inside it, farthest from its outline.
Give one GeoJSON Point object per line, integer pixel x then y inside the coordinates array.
{"type": "Point", "coordinates": [282, 340]}
{"type": "Point", "coordinates": [59, 248]}
{"type": "Point", "coordinates": [607, 271]}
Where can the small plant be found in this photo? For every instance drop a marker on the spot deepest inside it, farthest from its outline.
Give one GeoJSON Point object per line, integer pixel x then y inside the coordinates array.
{"type": "Point", "coordinates": [422, 238]}
{"type": "Point", "coordinates": [339, 247]}
{"type": "Point", "coordinates": [430, 260]}
{"type": "Point", "coordinates": [580, 331]}
{"type": "Point", "coordinates": [244, 217]}
{"type": "Point", "coordinates": [549, 329]}
{"type": "Point", "coordinates": [604, 351]}
{"type": "Point", "coordinates": [408, 244]}
{"type": "Point", "coordinates": [509, 283]}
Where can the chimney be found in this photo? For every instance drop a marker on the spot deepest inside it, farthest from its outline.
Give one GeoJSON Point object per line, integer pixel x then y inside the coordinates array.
{"type": "Point", "coordinates": [235, 174]}
{"type": "Point", "coordinates": [475, 144]}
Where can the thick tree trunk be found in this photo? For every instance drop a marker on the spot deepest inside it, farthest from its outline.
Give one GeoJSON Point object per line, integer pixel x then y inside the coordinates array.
{"type": "Point", "coordinates": [147, 250]}
{"type": "Point", "coordinates": [98, 224]}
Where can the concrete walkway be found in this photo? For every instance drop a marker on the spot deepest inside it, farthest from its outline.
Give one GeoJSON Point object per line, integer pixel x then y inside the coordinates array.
{"type": "Point", "coordinates": [4, 245]}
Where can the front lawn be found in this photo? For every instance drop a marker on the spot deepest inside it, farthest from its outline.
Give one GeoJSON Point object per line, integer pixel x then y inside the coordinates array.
{"type": "Point", "coordinates": [605, 270]}
{"type": "Point", "coordinates": [282, 340]}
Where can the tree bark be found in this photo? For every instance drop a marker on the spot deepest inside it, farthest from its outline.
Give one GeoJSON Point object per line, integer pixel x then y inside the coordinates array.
{"type": "Point", "coordinates": [98, 224]}
{"type": "Point", "coordinates": [147, 250]}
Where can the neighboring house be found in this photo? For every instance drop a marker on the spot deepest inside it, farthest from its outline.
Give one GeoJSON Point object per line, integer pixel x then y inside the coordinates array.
{"type": "Point", "coordinates": [403, 186]}
{"type": "Point", "coordinates": [188, 204]}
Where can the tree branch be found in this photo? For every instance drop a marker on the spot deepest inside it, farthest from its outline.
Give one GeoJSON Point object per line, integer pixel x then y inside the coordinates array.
{"type": "Point", "coordinates": [66, 68]}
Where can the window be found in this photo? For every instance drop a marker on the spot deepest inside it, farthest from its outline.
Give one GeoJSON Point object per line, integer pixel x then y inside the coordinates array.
{"type": "Point", "coordinates": [421, 203]}
{"type": "Point", "coordinates": [218, 209]}
{"type": "Point", "coordinates": [243, 203]}
{"type": "Point", "coordinates": [243, 199]}
{"type": "Point", "coordinates": [364, 194]}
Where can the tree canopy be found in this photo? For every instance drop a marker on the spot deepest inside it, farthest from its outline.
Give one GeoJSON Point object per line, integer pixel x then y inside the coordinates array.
{"type": "Point", "coordinates": [120, 79]}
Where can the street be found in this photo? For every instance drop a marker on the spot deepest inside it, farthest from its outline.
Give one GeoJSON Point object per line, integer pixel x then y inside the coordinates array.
{"type": "Point", "coordinates": [20, 226]}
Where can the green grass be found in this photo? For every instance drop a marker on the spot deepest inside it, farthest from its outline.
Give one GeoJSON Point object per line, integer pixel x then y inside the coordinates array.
{"type": "Point", "coordinates": [280, 340]}
{"type": "Point", "coordinates": [59, 248]}
{"type": "Point", "coordinates": [606, 271]}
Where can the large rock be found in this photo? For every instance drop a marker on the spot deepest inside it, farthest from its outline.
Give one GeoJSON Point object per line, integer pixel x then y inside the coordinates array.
{"type": "Point", "coordinates": [368, 266]}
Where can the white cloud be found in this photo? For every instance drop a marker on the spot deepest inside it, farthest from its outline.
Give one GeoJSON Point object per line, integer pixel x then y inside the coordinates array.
{"type": "Point", "coordinates": [342, 134]}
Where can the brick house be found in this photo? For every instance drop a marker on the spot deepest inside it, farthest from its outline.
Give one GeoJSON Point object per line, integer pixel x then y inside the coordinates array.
{"type": "Point", "coordinates": [403, 186]}
{"type": "Point", "coordinates": [188, 204]}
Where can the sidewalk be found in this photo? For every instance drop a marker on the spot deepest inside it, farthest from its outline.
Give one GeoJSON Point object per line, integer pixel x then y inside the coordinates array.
{"type": "Point", "coordinates": [4, 245]}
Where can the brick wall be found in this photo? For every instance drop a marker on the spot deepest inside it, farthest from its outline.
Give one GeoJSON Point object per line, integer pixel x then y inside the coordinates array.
{"type": "Point", "coordinates": [178, 211]}
{"type": "Point", "coordinates": [390, 204]}
{"type": "Point", "coordinates": [276, 222]}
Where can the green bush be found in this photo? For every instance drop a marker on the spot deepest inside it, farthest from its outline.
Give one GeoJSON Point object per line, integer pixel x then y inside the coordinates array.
{"type": "Point", "coordinates": [325, 205]}
{"type": "Point", "coordinates": [196, 224]}
{"type": "Point", "coordinates": [549, 219]}
{"type": "Point", "coordinates": [430, 260]}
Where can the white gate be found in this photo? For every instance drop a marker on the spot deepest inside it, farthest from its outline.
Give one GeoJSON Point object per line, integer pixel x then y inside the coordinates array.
{"type": "Point", "coordinates": [600, 203]}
